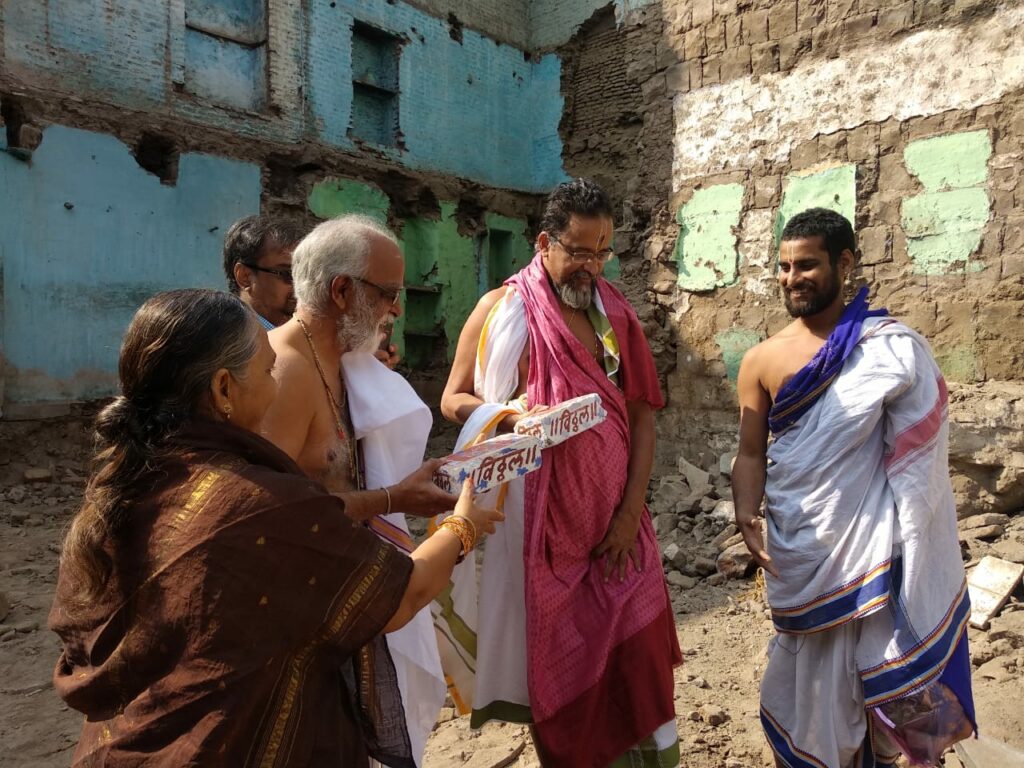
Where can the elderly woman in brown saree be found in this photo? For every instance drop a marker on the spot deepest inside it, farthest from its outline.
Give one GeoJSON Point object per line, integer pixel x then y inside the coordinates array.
{"type": "Point", "coordinates": [216, 606]}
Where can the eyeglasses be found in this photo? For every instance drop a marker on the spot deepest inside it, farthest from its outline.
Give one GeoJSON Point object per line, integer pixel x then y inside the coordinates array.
{"type": "Point", "coordinates": [391, 294]}
{"type": "Point", "coordinates": [582, 255]}
{"type": "Point", "coordinates": [285, 275]}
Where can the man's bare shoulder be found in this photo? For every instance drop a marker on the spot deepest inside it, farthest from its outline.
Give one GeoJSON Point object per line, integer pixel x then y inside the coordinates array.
{"type": "Point", "coordinates": [764, 350]}
{"type": "Point", "coordinates": [489, 299]}
{"type": "Point", "coordinates": [296, 376]}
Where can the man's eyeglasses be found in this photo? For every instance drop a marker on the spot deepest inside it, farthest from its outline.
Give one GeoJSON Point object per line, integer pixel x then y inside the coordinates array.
{"type": "Point", "coordinates": [582, 255]}
{"type": "Point", "coordinates": [391, 294]}
{"type": "Point", "coordinates": [285, 275]}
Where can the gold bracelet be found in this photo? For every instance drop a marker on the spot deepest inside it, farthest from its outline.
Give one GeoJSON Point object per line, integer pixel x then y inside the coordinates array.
{"type": "Point", "coordinates": [464, 528]}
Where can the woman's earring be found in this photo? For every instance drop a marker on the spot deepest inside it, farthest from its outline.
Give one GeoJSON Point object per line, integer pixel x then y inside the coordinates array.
{"type": "Point", "coordinates": [227, 412]}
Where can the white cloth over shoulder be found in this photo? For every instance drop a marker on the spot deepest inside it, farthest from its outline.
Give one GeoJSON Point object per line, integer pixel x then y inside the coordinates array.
{"type": "Point", "coordinates": [393, 425]}
{"type": "Point", "coordinates": [482, 631]}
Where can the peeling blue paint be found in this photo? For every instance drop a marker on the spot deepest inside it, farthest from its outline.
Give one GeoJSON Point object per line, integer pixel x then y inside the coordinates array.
{"type": "Point", "coordinates": [243, 21]}
{"type": "Point", "coordinates": [225, 72]}
{"type": "Point", "coordinates": [471, 108]}
{"type": "Point", "coordinates": [86, 235]}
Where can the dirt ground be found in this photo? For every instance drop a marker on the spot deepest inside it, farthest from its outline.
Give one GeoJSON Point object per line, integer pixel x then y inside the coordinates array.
{"type": "Point", "coordinates": [722, 629]}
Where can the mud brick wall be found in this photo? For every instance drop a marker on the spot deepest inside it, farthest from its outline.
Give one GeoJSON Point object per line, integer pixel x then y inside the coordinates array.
{"type": "Point", "coordinates": [908, 117]}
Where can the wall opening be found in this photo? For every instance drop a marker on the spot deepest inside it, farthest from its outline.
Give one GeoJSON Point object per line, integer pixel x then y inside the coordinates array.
{"type": "Point", "coordinates": [226, 52]}
{"type": "Point", "coordinates": [158, 155]}
{"type": "Point", "coordinates": [375, 55]}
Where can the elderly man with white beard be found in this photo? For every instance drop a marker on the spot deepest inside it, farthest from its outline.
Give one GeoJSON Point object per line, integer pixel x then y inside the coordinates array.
{"type": "Point", "coordinates": [353, 424]}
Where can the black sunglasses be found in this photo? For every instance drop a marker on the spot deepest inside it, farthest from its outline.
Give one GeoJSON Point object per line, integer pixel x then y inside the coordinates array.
{"type": "Point", "coordinates": [284, 275]}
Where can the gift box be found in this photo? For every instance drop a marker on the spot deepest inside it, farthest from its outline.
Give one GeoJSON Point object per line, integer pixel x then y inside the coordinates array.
{"type": "Point", "coordinates": [558, 423]}
{"type": "Point", "coordinates": [490, 463]}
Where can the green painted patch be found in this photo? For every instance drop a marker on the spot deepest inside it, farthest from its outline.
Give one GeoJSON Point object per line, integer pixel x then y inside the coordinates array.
{"type": "Point", "coordinates": [943, 229]}
{"type": "Point", "coordinates": [950, 162]}
{"type": "Point", "coordinates": [833, 188]}
{"type": "Point", "coordinates": [706, 247]}
{"type": "Point", "coordinates": [958, 363]}
{"type": "Point", "coordinates": [445, 271]}
{"type": "Point", "coordinates": [734, 344]}
{"type": "Point", "coordinates": [504, 250]}
{"type": "Point", "coordinates": [944, 225]}
{"type": "Point", "coordinates": [333, 197]}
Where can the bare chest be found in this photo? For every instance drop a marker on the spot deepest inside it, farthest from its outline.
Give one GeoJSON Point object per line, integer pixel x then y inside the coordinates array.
{"type": "Point", "coordinates": [786, 360]}
{"type": "Point", "coordinates": [328, 455]}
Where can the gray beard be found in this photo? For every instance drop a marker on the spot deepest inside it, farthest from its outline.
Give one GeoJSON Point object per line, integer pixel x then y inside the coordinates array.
{"type": "Point", "coordinates": [576, 297]}
{"type": "Point", "coordinates": [358, 329]}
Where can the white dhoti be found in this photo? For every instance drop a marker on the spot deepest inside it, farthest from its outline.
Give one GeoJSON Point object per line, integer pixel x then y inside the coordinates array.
{"type": "Point", "coordinates": [392, 425]}
{"type": "Point", "coordinates": [489, 621]}
{"type": "Point", "coordinates": [871, 603]}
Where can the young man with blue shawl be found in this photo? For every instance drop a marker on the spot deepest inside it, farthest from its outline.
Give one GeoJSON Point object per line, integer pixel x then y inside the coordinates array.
{"type": "Point", "coordinates": [864, 576]}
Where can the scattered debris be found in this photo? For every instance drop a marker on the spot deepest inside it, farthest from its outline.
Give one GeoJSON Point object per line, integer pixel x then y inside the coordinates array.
{"type": "Point", "coordinates": [37, 475]}
{"type": "Point", "coordinates": [990, 584]}
{"type": "Point", "coordinates": [984, 752]}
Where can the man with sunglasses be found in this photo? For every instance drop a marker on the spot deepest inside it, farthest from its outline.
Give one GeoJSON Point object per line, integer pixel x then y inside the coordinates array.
{"type": "Point", "coordinates": [573, 631]}
{"type": "Point", "coordinates": [258, 266]}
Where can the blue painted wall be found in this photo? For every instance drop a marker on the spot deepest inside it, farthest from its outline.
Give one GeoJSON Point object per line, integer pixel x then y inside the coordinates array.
{"type": "Point", "coordinates": [87, 235]}
{"type": "Point", "coordinates": [474, 109]}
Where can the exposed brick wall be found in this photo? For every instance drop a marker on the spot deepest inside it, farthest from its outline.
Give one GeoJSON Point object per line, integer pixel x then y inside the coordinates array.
{"type": "Point", "coordinates": [718, 81]}
{"type": "Point", "coordinates": [718, 40]}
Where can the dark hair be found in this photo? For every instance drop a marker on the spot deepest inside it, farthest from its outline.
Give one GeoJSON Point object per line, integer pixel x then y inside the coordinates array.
{"type": "Point", "coordinates": [579, 196]}
{"type": "Point", "coordinates": [171, 350]}
{"type": "Point", "coordinates": [834, 229]}
{"type": "Point", "coordinates": [248, 238]}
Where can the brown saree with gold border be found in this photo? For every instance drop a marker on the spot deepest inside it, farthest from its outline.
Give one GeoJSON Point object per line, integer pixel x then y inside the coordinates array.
{"type": "Point", "coordinates": [242, 623]}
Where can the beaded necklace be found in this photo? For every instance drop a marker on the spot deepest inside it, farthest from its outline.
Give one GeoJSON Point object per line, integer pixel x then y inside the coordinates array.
{"type": "Point", "coordinates": [334, 405]}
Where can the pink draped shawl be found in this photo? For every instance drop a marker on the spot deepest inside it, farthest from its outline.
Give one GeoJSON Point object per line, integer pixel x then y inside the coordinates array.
{"type": "Point", "coordinates": [600, 654]}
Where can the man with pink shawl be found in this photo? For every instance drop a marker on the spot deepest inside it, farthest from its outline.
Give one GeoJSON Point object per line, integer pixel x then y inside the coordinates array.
{"type": "Point", "coordinates": [572, 629]}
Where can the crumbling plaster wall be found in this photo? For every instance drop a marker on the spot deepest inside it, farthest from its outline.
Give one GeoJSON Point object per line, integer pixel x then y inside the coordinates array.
{"type": "Point", "coordinates": [88, 236]}
{"type": "Point", "coordinates": [112, 81]}
{"type": "Point", "coordinates": [507, 21]}
{"type": "Point", "coordinates": [458, 88]}
{"type": "Point", "coordinates": [907, 116]}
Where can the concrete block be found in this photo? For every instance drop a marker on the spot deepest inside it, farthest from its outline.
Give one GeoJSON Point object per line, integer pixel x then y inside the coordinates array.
{"type": "Point", "coordinates": [857, 27]}
{"type": "Point", "coordinates": [875, 245]}
{"type": "Point", "coordinates": [764, 58]}
{"type": "Point", "coordinates": [677, 78]}
{"type": "Point", "coordinates": [804, 154]}
{"type": "Point", "coordinates": [736, 63]}
{"type": "Point", "coordinates": [862, 143]}
{"type": "Point", "coordinates": [837, 10]}
{"type": "Point", "coordinates": [893, 21]}
{"type": "Point", "coordinates": [766, 191]}
{"type": "Point", "coordinates": [711, 72]}
{"type": "Point", "coordinates": [733, 31]}
{"type": "Point", "coordinates": [714, 33]}
{"type": "Point", "coordinates": [755, 27]}
{"type": "Point", "coordinates": [989, 584]}
{"type": "Point", "coordinates": [782, 19]}
{"type": "Point", "coordinates": [791, 48]}
{"type": "Point", "coordinates": [703, 12]}
{"type": "Point", "coordinates": [810, 13]}
{"type": "Point", "coordinates": [694, 45]}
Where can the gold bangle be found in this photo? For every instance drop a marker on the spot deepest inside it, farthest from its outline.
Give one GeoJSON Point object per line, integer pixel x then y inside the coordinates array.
{"type": "Point", "coordinates": [466, 531]}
